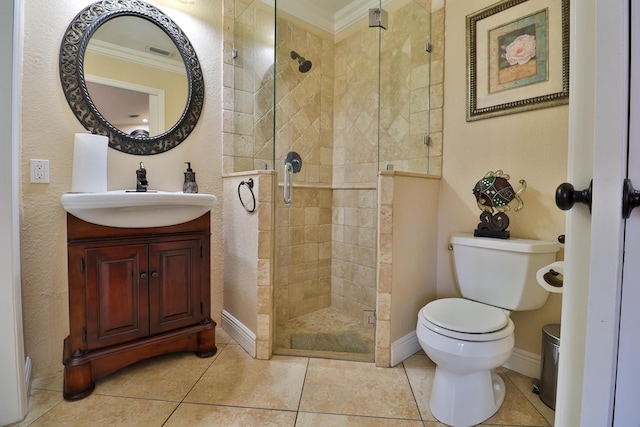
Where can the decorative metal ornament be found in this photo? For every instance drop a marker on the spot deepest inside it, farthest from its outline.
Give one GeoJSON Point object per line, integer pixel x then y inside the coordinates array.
{"type": "Point", "coordinates": [72, 53]}
{"type": "Point", "coordinates": [494, 192]}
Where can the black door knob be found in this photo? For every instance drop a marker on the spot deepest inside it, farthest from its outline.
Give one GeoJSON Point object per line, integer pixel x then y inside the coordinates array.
{"type": "Point", "coordinates": [630, 198]}
{"type": "Point", "coordinates": [567, 196]}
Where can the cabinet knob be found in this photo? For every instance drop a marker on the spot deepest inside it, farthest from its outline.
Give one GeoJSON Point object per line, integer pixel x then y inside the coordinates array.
{"type": "Point", "coordinates": [154, 274]}
{"type": "Point", "coordinates": [143, 275]}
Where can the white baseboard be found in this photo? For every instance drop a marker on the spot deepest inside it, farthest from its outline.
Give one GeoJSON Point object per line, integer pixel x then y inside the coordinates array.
{"type": "Point", "coordinates": [239, 332]}
{"type": "Point", "coordinates": [28, 367]}
{"type": "Point", "coordinates": [524, 363]}
{"type": "Point", "coordinates": [404, 347]}
{"type": "Point", "coordinates": [521, 361]}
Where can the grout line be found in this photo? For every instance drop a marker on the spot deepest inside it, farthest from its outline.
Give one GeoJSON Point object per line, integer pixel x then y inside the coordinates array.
{"type": "Point", "coordinates": [415, 399]}
{"type": "Point", "coordinates": [304, 380]}
{"type": "Point", "coordinates": [215, 357]}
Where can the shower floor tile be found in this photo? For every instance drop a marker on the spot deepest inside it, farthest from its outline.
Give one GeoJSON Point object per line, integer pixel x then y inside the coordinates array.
{"type": "Point", "coordinates": [326, 320]}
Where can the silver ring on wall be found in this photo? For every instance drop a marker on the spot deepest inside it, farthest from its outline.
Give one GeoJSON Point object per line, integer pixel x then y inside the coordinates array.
{"type": "Point", "coordinates": [249, 185]}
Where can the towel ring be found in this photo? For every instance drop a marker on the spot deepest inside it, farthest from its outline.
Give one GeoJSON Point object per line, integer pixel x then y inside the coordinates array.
{"type": "Point", "coordinates": [249, 185]}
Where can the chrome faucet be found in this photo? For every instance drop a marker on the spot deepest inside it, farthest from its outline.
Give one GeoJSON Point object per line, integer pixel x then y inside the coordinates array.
{"type": "Point", "coordinates": [141, 178]}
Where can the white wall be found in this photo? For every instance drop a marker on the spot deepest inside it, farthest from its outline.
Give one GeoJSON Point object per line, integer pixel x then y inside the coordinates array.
{"type": "Point", "coordinates": [249, 244]}
{"type": "Point", "coordinates": [240, 254]}
{"type": "Point", "coordinates": [13, 393]}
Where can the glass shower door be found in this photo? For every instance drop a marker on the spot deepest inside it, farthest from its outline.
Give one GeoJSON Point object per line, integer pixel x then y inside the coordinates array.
{"type": "Point", "coordinates": [327, 111]}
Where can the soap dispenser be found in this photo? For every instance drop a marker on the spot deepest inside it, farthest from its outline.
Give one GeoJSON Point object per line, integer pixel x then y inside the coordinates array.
{"type": "Point", "coordinates": [190, 185]}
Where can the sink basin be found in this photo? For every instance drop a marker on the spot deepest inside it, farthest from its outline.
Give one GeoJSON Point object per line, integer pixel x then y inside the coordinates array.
{"type": "Point", "coordinates": [130, 209]}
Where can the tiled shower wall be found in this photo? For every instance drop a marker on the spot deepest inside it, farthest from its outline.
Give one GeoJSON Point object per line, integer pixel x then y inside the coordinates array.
{"type": "Point", "coordinates": [304, 124]}
{"type": "Point", "coordinates": [404, 90]}
{"type": "Point", "coordinates": [248, 87]}
{"type": "Point", "coordinates": [303, 253]}
{"type": "Point", "coordinates": [304, 101]}
{"type": "Point", "coordinates": [331, 120]}
{"type": "Point", "coordinates": [353, 262]}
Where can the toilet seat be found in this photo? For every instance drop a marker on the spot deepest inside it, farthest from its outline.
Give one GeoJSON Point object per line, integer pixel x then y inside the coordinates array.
{"type": "Point", "coordinates": [466, 320]}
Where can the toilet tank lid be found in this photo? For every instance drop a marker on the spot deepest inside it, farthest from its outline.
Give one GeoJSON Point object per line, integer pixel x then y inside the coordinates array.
{"type": "Point", "coordinates": [513, 245]}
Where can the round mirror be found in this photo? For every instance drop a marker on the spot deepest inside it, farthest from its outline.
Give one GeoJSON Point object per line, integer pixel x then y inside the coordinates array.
{"type": "Point", "coordinates": [128, 72]}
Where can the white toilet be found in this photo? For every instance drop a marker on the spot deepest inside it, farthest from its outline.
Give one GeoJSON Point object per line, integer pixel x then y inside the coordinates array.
{"type": "Point", "coordinates": [468, 338]}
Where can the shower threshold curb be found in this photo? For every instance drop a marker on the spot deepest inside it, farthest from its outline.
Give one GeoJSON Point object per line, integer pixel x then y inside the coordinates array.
{"type": "Point", "coordinates": [356, 357]}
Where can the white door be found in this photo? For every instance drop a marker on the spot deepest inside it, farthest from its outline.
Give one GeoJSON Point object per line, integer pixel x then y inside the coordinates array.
{"type": "Point", "coordinates": [593, 252]}
{"type": "Point", "coordinates": [13, 392]}
{"type": "Point", "coordinates": [626, 408]}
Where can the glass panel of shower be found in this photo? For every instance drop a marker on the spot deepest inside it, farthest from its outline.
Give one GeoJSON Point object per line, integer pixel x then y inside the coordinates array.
{"type": "Point", "coordinates": [327, 114]}
{"type": "Point", "coordinates": [405, 85]}
{"type": "Point", "coordinates": [249, 121]}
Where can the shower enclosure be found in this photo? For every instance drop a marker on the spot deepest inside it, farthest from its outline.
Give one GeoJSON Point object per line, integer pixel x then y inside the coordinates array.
{"type": "Point", "coordinates": [344, 101]}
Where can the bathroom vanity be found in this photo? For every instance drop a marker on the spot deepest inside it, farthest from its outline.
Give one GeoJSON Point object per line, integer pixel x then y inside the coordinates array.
{"type": "Point", "coordinates": [134, 293]}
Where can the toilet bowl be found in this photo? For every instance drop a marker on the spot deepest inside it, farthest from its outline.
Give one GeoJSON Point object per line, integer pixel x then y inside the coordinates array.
{"type": "Point", "coordinates": [468, 338]}
{"type": "Point", "coordinates": [465, 359]}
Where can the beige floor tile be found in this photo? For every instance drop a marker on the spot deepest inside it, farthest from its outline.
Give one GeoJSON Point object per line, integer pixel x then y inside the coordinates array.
{"type": "Point", "coordinates": [40, 401]}
{"type": "Point", "coordinates": [420, 370]}
{"type": "Point", "coordinates": [49, 382]}
{"type": "Point", "coordinates": [516, 410]}
{"type": "Point", "coordinates": [357, 388]}
{"type": "Point", "coordinates": [222, 337]}
{"type": "Point", "coordinates": [98, 411]}
{"type": "Point", "coordinates": [191, 415]}
{"type": "Point", "coordinates": [235, 379]}
{"type": "Point", "coordinates": [306, 419]}
{"type": "Point", "coordinates": [266, 393]}
{"type": "Point", "coordinates": [166, 377]}
{"type": "Point", "coordinates": [525, 386]}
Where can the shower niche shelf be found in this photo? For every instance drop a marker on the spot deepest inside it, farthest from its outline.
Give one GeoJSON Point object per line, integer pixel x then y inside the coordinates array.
{"type": "Point", "coordinates": [134, 293]}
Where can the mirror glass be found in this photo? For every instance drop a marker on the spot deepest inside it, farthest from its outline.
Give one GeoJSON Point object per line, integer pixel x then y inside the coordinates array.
{"type": "Point", "coordinates": [130, 73]}
{"type": "Point", "coordinates": [135, 76]}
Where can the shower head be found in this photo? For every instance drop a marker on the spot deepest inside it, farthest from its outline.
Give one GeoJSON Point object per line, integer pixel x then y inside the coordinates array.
{"type": "Point", "coordinates": [304, 65]}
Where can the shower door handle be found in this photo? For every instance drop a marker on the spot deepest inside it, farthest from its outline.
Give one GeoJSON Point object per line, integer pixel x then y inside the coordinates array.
{"type": "Point", "coordinates": [292, 164]}
{"type": "Point", "coordinates": [288, 183]}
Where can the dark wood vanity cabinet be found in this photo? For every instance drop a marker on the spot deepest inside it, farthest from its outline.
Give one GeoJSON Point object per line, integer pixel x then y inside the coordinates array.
{"type": "Point", "coordinates": [134, 294]}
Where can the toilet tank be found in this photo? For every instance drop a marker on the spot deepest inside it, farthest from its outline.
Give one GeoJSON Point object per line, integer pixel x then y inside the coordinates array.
{"type": "Point", "coordinates": [502, 272]}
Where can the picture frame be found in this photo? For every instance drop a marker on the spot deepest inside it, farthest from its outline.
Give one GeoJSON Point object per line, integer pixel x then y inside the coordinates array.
{"type": "Point", "coordinates": [517, 57]}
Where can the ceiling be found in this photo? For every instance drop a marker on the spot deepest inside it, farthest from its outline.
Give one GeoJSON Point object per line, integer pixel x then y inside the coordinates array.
{"type": "Point", "coordinates": [330, 15]}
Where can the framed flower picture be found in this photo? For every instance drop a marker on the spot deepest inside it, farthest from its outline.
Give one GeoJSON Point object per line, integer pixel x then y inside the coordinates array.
{"type": "Point", "coordinates": [517, 57]}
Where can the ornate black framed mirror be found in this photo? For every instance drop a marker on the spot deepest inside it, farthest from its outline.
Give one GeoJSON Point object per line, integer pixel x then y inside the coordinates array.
{"type": "Point", "coordinates": [131, 30]}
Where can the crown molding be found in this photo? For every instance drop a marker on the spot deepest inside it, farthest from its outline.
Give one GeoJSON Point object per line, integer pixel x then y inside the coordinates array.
{"type": "Point", "coordinates": [310, 12]}
{"type": "Point", "coordinates": [136, 56]}
{"type": "Point", "coordinates": [353, 12]}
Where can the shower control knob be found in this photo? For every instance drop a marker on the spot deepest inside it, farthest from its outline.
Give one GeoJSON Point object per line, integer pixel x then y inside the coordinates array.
{"type": "Point", "coordinates": [567, 196]}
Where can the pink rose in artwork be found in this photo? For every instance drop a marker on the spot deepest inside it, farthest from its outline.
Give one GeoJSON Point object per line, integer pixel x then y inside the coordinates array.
{"type": "Point", "coordinates": [521, 50]}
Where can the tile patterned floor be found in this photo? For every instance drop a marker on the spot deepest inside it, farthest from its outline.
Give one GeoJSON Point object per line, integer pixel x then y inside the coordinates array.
{"type": "Point", "coordinates": [232, 389]}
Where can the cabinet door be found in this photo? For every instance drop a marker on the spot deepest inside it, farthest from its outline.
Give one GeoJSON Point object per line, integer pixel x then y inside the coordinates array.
{"type": "Point", "coordinates": [117, 294]}
{"type": "Point", "coordinates": [174, 285]}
